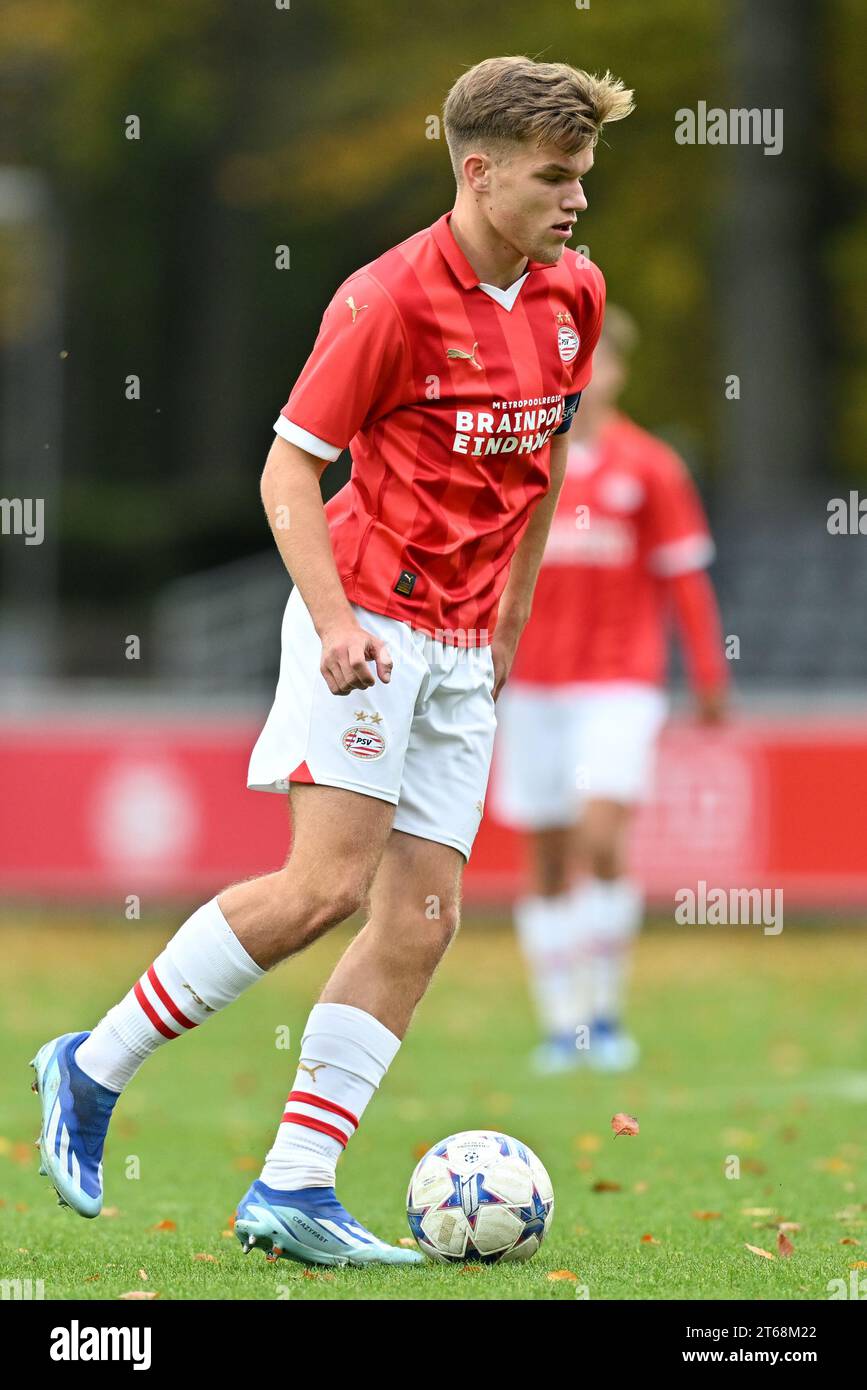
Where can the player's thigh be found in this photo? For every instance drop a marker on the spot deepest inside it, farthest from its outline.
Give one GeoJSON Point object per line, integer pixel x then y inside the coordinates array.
{"type": "Point", "coordinates": [338, 839]}
{"type": "Point", "coordinates": [416, 891]}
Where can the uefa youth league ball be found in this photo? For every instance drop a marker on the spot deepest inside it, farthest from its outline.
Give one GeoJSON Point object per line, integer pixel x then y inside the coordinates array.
{"type": "Point", "coordinates": [480, 1196]}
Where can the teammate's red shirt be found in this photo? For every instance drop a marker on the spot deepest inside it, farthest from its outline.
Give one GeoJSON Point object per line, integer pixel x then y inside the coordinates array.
{"type": "Point", "coordinates": [447, 396]}
{"type": "Point", "coordinates": [628, 520]}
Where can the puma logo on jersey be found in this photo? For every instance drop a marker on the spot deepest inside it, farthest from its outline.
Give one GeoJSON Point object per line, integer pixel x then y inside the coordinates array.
{"type": "Point", "coordinates": [467, 356]}
{"type": "Point", "coordinates": [356, 308]}
{"type": "Point", "coordinates": [201, 1003]}
{"type": "Point", "coordinates": [317, 1066]}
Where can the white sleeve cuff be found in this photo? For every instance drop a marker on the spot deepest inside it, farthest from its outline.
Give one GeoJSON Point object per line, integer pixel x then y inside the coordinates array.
{"type": "Point", "coordinates": [679, 557]}
{"type": "Point", "coordinates": [305, 440]}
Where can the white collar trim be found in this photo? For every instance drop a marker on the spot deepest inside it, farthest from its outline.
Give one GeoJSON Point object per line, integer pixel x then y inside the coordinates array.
{"type": "Point", "coordinates": [505, 297]}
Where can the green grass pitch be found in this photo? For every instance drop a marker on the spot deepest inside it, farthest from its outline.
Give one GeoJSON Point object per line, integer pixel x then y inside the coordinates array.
{"type": "Point", "coordinates": [753, 1047]}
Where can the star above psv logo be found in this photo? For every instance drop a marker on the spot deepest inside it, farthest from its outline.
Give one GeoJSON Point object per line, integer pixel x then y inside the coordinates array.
{"type": "Point", "coordinates": [467, 356]}
{"type": "Point", "coordinates": [356, 308]}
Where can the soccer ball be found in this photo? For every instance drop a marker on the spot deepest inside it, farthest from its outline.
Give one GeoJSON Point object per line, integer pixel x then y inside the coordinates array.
{"type": "Point", "coordinates": [479, 1196]}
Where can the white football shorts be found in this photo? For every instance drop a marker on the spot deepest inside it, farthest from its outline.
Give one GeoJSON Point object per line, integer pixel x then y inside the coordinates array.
{"type": "Point", "coordinates": [559, 746]}
{"type": "Point", "coordinates": [423, 741]}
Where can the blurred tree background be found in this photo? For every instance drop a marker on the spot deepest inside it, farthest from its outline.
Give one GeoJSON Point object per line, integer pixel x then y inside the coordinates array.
{"type": "Point", "coordinates": [308, 127]}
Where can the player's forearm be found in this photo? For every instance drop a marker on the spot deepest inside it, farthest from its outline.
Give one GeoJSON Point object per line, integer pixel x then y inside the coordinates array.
{"type": "Point", "coordinates": [700, 630]}
{"type": "Point", "coordinates": [296, 515]}
{"type": "Point", "coordinates": [517, 599]}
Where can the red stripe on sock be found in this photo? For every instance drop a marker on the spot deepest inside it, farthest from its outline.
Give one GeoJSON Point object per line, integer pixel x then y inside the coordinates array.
{"type": "Point", "coordinates": [310, 1099]}
{"type": "Point", "coordinates": [291, 1117]}
{"type": "Point", "coordinates": [151, 1012]}
{"type": "Point", "coordinates": [170, 1004]}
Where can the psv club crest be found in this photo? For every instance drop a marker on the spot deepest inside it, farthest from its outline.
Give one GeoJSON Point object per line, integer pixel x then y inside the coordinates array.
{"type": "Point", "coordinates": [568, 341]}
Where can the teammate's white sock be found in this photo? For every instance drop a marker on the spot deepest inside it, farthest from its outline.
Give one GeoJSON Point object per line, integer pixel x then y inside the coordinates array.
{"type": "Point", "coordinates": [344, 1055]}
{"type": "Point", "coordinates": [553, 937]}
{"type": "Point", "coordinates": [202, 969]}
{"type": "Point", "coordinates": [618, 907]}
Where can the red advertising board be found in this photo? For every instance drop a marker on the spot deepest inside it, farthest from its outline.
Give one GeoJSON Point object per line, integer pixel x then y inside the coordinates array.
{"type": "Point", "coordinates": [160, 808]}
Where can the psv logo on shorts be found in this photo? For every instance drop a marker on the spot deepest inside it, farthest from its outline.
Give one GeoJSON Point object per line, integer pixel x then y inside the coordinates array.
{"type": "Point", "coordinates": [363, 743]}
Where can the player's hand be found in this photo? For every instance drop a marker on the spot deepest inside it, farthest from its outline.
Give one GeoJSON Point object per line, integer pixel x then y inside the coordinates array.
{"type": "Point", "coordinates": [504, 644]}
{"type": "Point", "coordinates": [712, 707]}
{"type": "Point", "coordinates": [346, 655]}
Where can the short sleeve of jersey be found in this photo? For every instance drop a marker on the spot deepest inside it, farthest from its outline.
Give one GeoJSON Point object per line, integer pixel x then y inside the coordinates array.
{"type": "Point", "coordinates": [358, 371]}
{"type": "Point", "coordinates": [678, 539]}
{"type": "Point", "coordinates": [590, 312]}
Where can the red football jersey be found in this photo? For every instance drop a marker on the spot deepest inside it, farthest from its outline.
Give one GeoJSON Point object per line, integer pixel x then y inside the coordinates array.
{"type": "Point", "coordinates": [627, 519]}
{"type": "Point", "coordinates": [447, 392]}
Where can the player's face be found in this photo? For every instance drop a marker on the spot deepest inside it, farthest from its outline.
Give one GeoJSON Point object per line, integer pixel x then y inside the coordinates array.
{"type": "Point", "coordinates": [535, 197]}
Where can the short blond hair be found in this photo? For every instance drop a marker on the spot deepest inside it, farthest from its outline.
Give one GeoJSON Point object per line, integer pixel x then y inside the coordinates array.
{"type": "Point", "coordinates": [502, 101]}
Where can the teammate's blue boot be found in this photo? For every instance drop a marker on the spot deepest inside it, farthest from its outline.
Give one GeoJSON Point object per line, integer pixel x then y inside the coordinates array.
{"type": "Point", "coordinates": [75, 1115]}
{"type": "Point", "coordinates": [311, 1226]}
{"type": "Point", "coordinates": [557, 1054]}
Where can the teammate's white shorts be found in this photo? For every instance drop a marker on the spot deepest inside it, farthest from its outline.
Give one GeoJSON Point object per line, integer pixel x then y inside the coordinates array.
{"type": "Point", "coordinates": [561, 745]}
{"type": "Point", "coordinates": [423, 741]}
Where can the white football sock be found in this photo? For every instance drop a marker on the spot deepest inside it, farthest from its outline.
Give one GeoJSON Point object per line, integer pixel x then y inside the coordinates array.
{"type": "Point", "coordinates": [202, 969]}
{"type": "Point", "coordinates": [344, 1055]}
{"type": "Point", "coordinates": [618, 907]}
{"type": "Point", "coordinates": [553, 933]}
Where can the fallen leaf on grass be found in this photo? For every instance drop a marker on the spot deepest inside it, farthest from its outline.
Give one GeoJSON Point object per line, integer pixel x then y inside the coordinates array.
{"type": "Point", "coordinates": [22, 1250]}
{"type": "Point", "coordinates": [785, 1248]}
{"type": "Point", "coordinates": [833, 1165]}
{"type": "Point", "coordinates": [470, 1269]}
{"type": "Point", "coordinates": [788, 1225]}
{"type": "Point", "coordinates": [419, 1151]}
{"type": "Point", "coordinates": [859, 1264]}
{"type": "Point", "coordinates": [757, 1211]}
{"type": "Point", "coordinates": [315, 1274]}
{"type": "Point", "coordinates": [164, 1226]}
{"type": "Point", "coordinates": [555, 1274]}
{"type": "Point", "coordinates": [137, 1294]}
{"type": "Point", "coordinates": [649, 1240]}
{"type": "Point", "coordinates": [602, 1185]}
{"type": "Point", "coordinates": [227, 1235]}
{"type": "Point", "coordinates": [407, 1242]}
{"type": "Point", "coordinates": [757, 1250]}
{"type": "Point", "coordinates": [110, 1211]}
{"type": "Point", "coordinates": [640, 1186]}
{"type": "Point", "coordinates": [143, 1274]}
{"type": "Point", "coordinates": [21, 1206]}
{"type": "Point", "coordinates": [622, 1123]}
{"type": "Point", "coordinates": [91, 1278]}
{"type": "Point", "coordinates": [245, 1163]}
{"type": "Point", "coordinates": [211, 1259]}
{"type": "Point", "coordinates": [849, 1240]}
{"type": "Point", "coordinates": [707, 1215]}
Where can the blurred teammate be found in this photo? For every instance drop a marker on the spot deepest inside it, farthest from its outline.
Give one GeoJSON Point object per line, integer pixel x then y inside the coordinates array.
{"type": "Point", "coordinates": [451, 365]}
{"type": "Point", "coordinates": [579, 721]}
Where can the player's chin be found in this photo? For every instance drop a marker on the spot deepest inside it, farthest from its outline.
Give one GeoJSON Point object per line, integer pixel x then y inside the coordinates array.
{"type": "Point", "coordinates": [548, 254]}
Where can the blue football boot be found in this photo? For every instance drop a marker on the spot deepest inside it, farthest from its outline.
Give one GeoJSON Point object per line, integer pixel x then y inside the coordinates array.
{"type": "Point", "coordinates": [75, 1115]}
{"type": "Point", "coordinates": [311, 1226]}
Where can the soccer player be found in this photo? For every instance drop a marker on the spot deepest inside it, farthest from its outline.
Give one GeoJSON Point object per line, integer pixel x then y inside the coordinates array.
{"type": "Point", "coordinates": [579, 722]}
{"type": "Point", "coordinates": [450, 366]}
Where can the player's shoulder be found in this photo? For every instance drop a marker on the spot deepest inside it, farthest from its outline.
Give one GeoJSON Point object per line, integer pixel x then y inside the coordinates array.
{"type": "Point", "coordinates": [584, 278]}
{"type": "Point", "coordinates": [388, 277]}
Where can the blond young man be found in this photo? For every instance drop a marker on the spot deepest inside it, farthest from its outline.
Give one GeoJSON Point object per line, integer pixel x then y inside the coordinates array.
{"type": "Point", "coordinates": [450, 366]}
